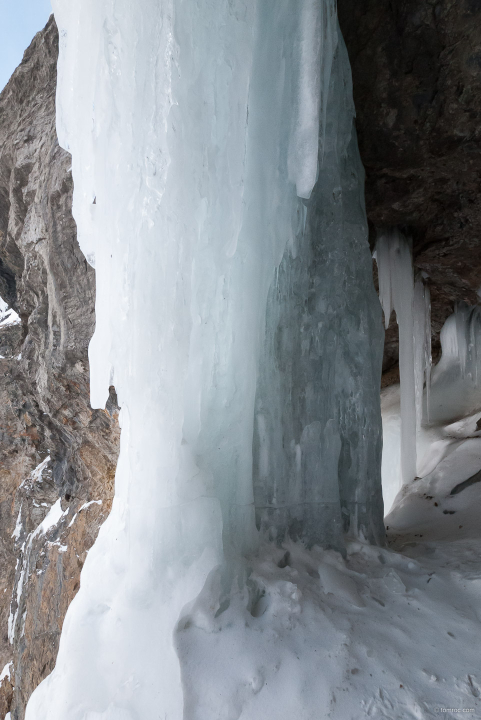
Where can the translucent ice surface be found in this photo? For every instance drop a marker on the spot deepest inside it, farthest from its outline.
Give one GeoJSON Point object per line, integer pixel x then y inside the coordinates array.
{"type": "Point", "coordinates": [396, 287]}
{"type": "Point", "coordinates": [219, 195]}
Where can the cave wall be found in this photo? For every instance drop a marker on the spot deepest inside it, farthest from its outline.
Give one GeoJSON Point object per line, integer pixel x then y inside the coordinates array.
{"type": "Point", "coordinates": [416, 68]}
{"type": "Point", "coordinates": [53, 446]}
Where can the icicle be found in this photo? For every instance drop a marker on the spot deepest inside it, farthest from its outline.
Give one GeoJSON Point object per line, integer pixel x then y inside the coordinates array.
{"type": "Point", "coordinates": [396, 287]}
{"type": "Point", "coordinates": [303, 153]}
{"type": "Point", "coordinates": [419, 328]}
{"type": "Point", "coordinates": [382, 257]}
{"type": "Point", "coordinates": [428, 358]}
{"type": "Point", "coordinates": [422, 346]}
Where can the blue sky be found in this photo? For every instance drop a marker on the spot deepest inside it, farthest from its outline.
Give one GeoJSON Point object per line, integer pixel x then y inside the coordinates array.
{"type": "Point", "coordinates": [19, 21]}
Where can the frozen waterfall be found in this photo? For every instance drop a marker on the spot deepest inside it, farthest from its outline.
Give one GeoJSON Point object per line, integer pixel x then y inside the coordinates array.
{"type": "Point", "coordinates": [219, 196]}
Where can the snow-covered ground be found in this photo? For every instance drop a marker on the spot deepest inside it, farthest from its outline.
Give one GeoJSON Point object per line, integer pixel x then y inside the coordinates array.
{"type": "Point", "coordinates": [392, 634]}
{"type": "Point", "coordinates": [445, 504]}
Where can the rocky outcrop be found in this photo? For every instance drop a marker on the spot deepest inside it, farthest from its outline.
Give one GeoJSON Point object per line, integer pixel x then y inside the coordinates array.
{"type": "Point", "coordinates": [57, 455]}
{"type": "Point", "coordinates": [417, 72]}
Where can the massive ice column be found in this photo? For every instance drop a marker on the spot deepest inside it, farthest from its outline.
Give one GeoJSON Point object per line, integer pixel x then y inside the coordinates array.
{"type": "Point", "coordinates": [218, 193]}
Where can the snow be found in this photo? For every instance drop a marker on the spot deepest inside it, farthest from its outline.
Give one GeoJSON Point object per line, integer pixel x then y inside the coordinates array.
{"type": "Point", "coordinates": [8, 316]}
{"type": "Point", "coordinates": [37, 473]}
{"type": "Point", "coordinates": [61, 548]}
{"type": "Point", "coordinates": [53, 517]}
{"type": "Point", "coordinates": [392, 480]}
{"type": "Point", "coordinates": [88, 504]}
{"type": "Point", "coordinates": [12, 618]}
{"type": "Point", "coordinates": [368, 636]}
{"type": "Point", "coordinates": [6, 671]}
{"type": "Point", "coordinates": [84, 506]}
{"type": "Point", "coordinates": [431, 509]}
{"type": "Point", "coordinates": [18, 526]}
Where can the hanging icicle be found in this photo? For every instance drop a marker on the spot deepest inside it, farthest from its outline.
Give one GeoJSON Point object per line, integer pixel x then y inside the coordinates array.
{"type": "Point", "coordinates": [422, 347]}
{"type": "Point", "coordinates": [412, 305]}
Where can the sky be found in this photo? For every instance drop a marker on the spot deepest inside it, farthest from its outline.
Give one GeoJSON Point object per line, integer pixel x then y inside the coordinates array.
{"type": "Point", "coordinates": [19, 21]}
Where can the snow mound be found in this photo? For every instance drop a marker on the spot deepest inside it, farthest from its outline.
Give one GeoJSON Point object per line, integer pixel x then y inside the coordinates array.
{"type": "Point", "coordinates": [314, 635]}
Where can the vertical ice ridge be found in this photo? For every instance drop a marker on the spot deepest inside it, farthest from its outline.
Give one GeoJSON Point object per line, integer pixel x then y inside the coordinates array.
{"type": "Point", "coordinates": [317, 44]}
{"type": "Point", "coordinates": [411, 302]}
{"type": "Point", "coordinates": [316, 400]}
{"type": "Point", "coordinates": [422, 348]}
{"type": "Point", "coordinates": [396, 283]}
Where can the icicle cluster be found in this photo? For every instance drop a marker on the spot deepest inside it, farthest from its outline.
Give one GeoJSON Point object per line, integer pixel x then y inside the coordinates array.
{"type": "Point", "coordinates": [411, 302]}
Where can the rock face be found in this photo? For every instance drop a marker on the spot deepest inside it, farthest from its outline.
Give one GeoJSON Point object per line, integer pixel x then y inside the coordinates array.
{"type": "Point", "coordinates": [417, 73]}
{"type": "Point", "coordinates": [57, 455]}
